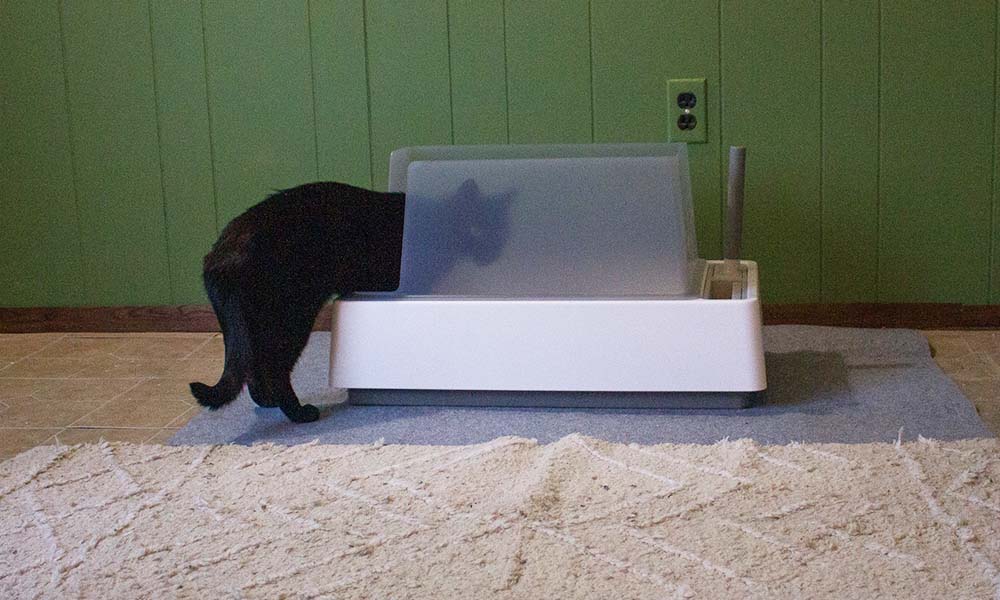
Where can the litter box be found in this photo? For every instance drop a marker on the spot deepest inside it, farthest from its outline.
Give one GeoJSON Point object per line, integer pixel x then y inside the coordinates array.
{"type": "Point", "coordinates": [553, 276]}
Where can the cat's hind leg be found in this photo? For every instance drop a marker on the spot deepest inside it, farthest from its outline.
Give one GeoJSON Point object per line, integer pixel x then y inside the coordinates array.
{"type": "Point", "coordinates": [259, 392]}
{"type": "Point", "coordinates": [278, 340]}
{"type": "Point", "coordinates": [272, 387]}
{"type": "Point", "coordinates": [280, 386]}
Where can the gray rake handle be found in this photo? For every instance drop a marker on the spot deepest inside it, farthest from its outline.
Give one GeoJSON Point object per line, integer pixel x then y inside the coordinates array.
{"type": "Point", "coordinates": [734, 203]}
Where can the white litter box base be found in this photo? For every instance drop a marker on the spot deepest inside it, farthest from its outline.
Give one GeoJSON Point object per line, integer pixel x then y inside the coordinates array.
{"type": "Point", "coordinates": [635, 345]}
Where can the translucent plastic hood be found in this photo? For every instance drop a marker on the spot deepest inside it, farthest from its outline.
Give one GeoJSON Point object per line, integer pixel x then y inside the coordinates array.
{"type": "Point", "coordinates": [592, 220]}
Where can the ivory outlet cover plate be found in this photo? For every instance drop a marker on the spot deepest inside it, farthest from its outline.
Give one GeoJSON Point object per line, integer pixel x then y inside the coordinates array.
{"type": "Point", "coordinates": [686, 114]}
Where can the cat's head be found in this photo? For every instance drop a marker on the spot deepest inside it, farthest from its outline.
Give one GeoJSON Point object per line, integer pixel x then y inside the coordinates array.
{"type": "Point", "coordinates": [483, 222]}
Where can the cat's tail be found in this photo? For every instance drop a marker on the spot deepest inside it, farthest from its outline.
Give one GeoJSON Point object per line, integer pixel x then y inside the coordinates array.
{"type": "Point", "coordinates": [234, 335]}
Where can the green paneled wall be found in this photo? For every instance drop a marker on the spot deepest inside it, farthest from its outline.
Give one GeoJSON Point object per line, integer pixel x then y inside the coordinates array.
{"type": "Point", "coordinates": [631, 61]}
{"type": "Point", "coordinates": [771, 90]}
{"type": "Point", "coordinates": [936, 125]}
{"type": "Point", "coordinates": [850, 145]}
{"type": "Point", "coordinates": [185, 142]}
{"type": "Point", "coordinates": [40, 252]}
{"type": "Point", "coordinates": [117, 164]}
{"type": "Point", "coordinates": [133, 129]}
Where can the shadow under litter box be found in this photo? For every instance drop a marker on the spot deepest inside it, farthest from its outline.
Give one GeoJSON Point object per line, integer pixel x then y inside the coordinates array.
{"type": "Point", "coordinates": [825, 384]}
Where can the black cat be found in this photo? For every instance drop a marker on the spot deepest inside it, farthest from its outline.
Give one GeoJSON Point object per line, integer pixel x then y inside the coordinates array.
{"type": "Point", "coordinates": [273, 267]}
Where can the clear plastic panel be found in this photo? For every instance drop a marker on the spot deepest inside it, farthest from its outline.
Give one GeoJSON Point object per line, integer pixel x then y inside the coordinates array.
{"type": "Point", "coordinates": [571, 221]}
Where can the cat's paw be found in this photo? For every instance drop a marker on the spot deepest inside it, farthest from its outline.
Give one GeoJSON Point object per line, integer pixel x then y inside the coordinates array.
{"type": "Point", "coordinates": [307, 413]}
{"type": "Point", "coordinates": [206, 395]}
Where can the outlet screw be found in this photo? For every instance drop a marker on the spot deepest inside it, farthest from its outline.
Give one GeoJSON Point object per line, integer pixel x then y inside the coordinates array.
{"type": "Point", "coordinates": [685, 122]}
{"type": "Point", "coordinates": [686, 100]}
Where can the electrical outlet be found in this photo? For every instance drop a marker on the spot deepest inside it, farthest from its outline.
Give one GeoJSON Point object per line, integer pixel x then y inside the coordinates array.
{"type": "Point", "coordinates": [686, 111]}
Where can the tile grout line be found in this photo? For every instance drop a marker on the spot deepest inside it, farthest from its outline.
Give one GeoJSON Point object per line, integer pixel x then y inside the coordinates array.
{"type": "Point", "coordinates": [134, 335]}
{"type": "Point", "coordinates": [85, 427]}
{"type": "Point", "coordinates": [44, 442]}
{"type": "Point", "coordinates": [56, 437]}
{"type": "Point", "coordinates": [199, 347]}
{"type": "Point", "coordinates": [158, 432]}
{"type": "Point", "coordinates": [112, 399]}
{"type": "Point", "coordinates": [71, 378]}
{"type": "Point", "coordinates": [31, 354]}
{"type": "Point", "coordinates": [191, 408]}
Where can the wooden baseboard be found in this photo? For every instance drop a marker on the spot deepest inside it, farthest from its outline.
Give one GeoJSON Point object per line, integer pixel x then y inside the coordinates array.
{"type": "Point", "coordinates": [190, 317]}
{"type": "Point", "coordinates": [909, 316]}
{"type": "Point", "coordinates": [194, 317]}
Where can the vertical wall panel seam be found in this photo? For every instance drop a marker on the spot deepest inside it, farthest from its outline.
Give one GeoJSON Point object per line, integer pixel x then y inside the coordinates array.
{"type": "Point", "coordinates": [451, 86]}
{"type": "Point", "coordinates": [208, 112]}
{"type": "Point", "coordinates": [722, 163]}
{"type": "Point", "coordinates": [368, 94]}
{"type": "Point", "coordinates": [87, 293]}
{"type": "Point", "coordinates": [312, 84]}
{"type": "Point", "coordinates": [159, 154]}
{"type": "Point", "coordinates": [878, 158]}
{"type": "Point", "coordinates": [506, 75]}
{"type": "Point", "coordinates": [991, 261]}
{"type": "Point", "coordinates": [822, 152]}
{"type": "Point", "coordinates": [590, 47]}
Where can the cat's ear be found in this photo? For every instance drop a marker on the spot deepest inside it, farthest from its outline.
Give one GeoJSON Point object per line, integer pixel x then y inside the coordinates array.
{"type": "Point", "coordinates": [468, 189]}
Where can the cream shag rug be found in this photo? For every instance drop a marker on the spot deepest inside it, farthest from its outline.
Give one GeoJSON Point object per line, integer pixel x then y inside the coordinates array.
{"type": "Point", "coordinates": [578, 518]}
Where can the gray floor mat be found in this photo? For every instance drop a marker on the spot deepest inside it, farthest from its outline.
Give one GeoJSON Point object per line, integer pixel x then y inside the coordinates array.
{"type": "Point", "coordinates": [825, 384]}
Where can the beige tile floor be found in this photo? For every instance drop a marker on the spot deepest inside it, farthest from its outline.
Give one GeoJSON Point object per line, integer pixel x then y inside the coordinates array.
{"type": "Point", "coordinates": [82, 387]}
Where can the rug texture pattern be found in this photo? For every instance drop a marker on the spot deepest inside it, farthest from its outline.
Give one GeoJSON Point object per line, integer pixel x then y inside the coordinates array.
{"type": "Point", "coordinates": [577, 518]}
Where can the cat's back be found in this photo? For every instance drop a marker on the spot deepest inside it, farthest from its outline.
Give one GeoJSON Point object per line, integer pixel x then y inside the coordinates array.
{"type": "Point", "coordinates": [295, 220]}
